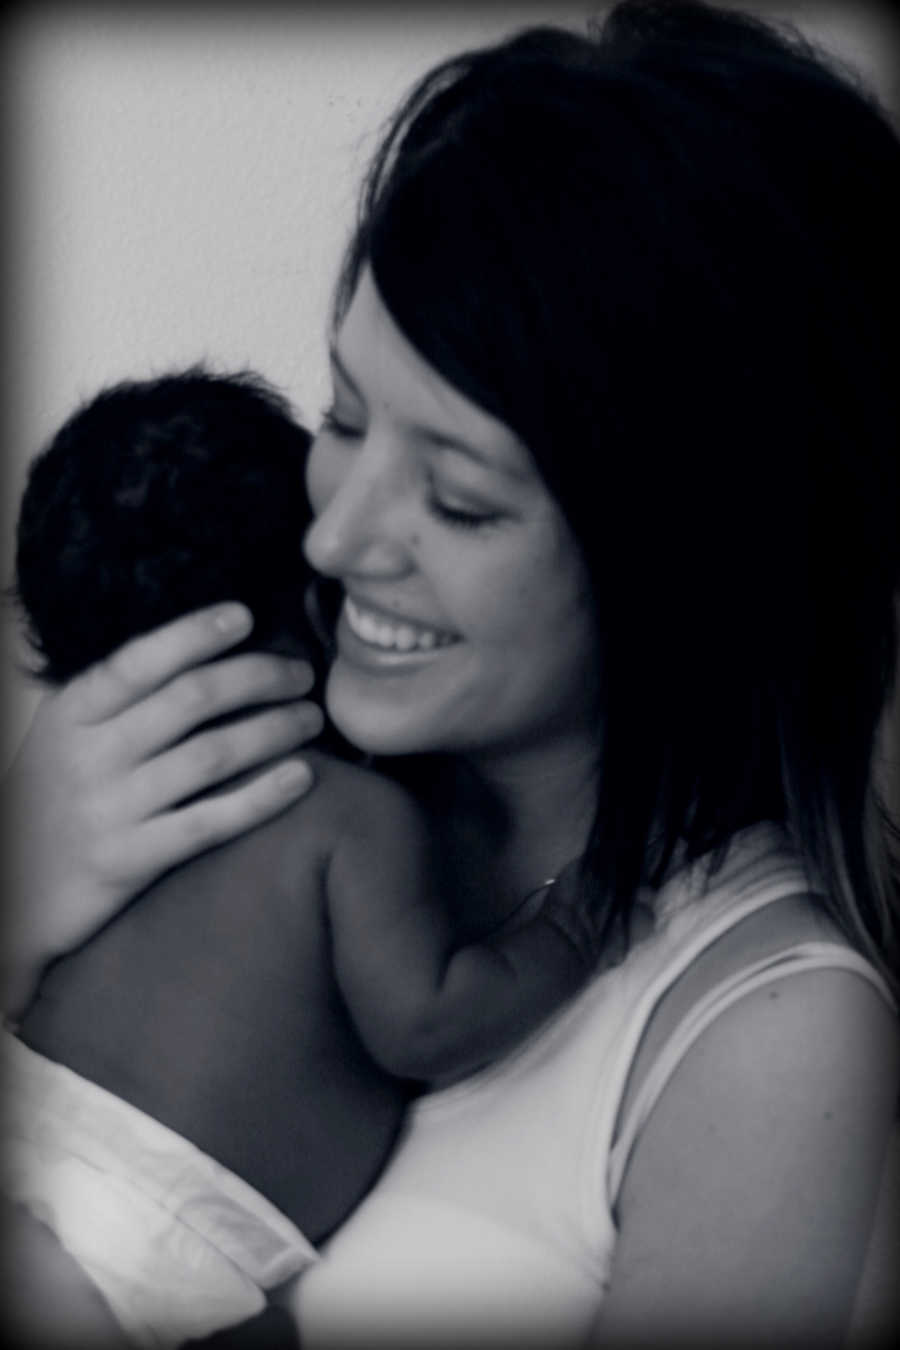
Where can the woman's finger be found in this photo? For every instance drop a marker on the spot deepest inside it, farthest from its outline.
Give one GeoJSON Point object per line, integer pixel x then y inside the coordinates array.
{"type": "Point", "coordinates": [152, 660]}
{"type": "Point", "coordinates": [213, 757]}
{"type": "Point", "coordinates": [203, 694]}
{"type": "Point", "coordinates": [174, 836]}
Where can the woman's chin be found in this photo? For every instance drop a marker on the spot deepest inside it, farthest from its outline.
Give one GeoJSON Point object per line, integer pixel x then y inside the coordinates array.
{"type": "Point", "coordinates": [380, 740]}
{"type": "Point", "coordinates": [394, 709]}
{"type": "Point", "coordinates": [372, 726]}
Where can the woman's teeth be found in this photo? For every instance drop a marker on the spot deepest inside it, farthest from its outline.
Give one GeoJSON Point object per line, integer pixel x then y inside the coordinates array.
{"type": "Point", "coordinates": [389, 636]}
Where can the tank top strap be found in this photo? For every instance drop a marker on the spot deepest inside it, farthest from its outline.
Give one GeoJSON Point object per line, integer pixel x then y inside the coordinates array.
{"type": "Point", "coordinates": [800, 957]}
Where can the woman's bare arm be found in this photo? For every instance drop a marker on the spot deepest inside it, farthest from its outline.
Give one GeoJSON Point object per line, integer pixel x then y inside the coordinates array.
{"type": "Point", "coordinates": [748, 1202]}
{"type": "Point", "coordinates": [98, 803]}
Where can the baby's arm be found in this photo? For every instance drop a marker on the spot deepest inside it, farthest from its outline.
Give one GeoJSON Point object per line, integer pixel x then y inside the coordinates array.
{"type": "Point", "coordinates": [426, 1007]}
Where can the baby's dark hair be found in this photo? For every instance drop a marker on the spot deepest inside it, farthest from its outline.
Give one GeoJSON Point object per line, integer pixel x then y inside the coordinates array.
{"type": "Point", "coordinates": [158, 497]}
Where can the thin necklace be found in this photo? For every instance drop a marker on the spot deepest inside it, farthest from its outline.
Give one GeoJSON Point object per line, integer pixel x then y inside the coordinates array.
{"type": "Point", "coordinates": [520, 905]}
{"type": "Point", "coordinates": [544, 886]}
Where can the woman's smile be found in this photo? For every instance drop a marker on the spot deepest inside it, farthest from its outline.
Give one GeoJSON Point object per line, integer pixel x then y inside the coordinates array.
{"type": "Point", "coordinates": [373, 627]}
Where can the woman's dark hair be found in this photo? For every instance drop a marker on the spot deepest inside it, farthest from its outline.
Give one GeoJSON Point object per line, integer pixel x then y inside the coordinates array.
{"type": "Point", "coordinates": [157, 497]}
{"type": "Point", "coordinates": [665, 254]}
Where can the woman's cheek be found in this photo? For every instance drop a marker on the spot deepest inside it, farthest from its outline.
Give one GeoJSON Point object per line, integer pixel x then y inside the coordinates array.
{"type": "Point", "coordinates": [323, 474]}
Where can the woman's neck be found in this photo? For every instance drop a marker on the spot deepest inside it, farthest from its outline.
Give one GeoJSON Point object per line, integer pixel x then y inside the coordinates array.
{"type": "Point", "coordinates": [506, 823]}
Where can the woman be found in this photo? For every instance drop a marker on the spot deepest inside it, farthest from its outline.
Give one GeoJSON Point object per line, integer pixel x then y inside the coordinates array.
{"type": "Point", "coordinates": [609, 485]}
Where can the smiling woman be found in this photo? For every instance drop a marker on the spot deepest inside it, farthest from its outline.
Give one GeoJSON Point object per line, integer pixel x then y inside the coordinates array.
{"type": "Point", "coordinates": [467, 624]}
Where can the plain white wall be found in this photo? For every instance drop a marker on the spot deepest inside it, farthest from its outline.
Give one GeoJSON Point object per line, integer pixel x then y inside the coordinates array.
{"type": "Point", "coordinates": [181, 180]}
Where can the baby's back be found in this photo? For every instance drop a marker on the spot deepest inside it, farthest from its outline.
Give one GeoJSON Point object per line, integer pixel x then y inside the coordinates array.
{"type": "Point", "coordinates": [210, 1004]}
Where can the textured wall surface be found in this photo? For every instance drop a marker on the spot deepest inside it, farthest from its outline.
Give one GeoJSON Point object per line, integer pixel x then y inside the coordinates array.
{"type": "Point", "coordinates": [181, 180]}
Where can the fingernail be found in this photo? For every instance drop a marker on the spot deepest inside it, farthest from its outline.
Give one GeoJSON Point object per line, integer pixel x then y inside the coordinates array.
{"type": "Point", "coordinates": [292, 776]}
{"type": "Point", "coordinates": [233, 618]}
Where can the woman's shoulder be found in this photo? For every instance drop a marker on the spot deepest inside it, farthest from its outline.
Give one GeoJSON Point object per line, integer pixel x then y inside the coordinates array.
{"type": "Point", "coordinates": [775, 967]}
{"type": "Point", "coordinates": [782, 987]}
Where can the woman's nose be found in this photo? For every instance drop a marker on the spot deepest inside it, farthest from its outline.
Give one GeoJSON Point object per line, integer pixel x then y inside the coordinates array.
{"type": "Point", "coordinates": [357, 528]}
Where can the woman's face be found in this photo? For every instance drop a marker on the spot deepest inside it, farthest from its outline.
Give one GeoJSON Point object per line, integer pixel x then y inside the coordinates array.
{"type": "Point", "coordinates": [467, 622]}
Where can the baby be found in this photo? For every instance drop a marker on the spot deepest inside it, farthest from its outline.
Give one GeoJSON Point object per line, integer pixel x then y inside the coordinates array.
{"type": "Point", "coordinates": [208, 1086]}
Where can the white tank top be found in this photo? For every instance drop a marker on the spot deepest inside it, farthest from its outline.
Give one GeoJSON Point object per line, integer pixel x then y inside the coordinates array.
{"type": "Point", "coordinates": [493, 1224]}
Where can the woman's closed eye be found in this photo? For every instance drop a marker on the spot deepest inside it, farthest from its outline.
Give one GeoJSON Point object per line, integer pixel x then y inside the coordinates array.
{"type": "Point", "coordinates": [445, 504]}
{"type": "Point", "coordinates": [336, 425]}
{"type": "Point", "coordinates": [452, 510]}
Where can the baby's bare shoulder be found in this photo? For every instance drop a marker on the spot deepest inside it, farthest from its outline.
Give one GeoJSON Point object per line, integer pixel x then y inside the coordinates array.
{"type": "Point", "coordinates": [345, 799]}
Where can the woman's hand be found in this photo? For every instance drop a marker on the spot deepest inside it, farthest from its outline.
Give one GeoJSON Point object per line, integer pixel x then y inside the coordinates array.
{"type": "Point", "coordinates": [101, 799]}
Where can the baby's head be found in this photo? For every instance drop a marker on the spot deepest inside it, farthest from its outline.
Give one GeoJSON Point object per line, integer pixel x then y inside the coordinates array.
{"type": "Point", "coordinates": [158, 497]}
